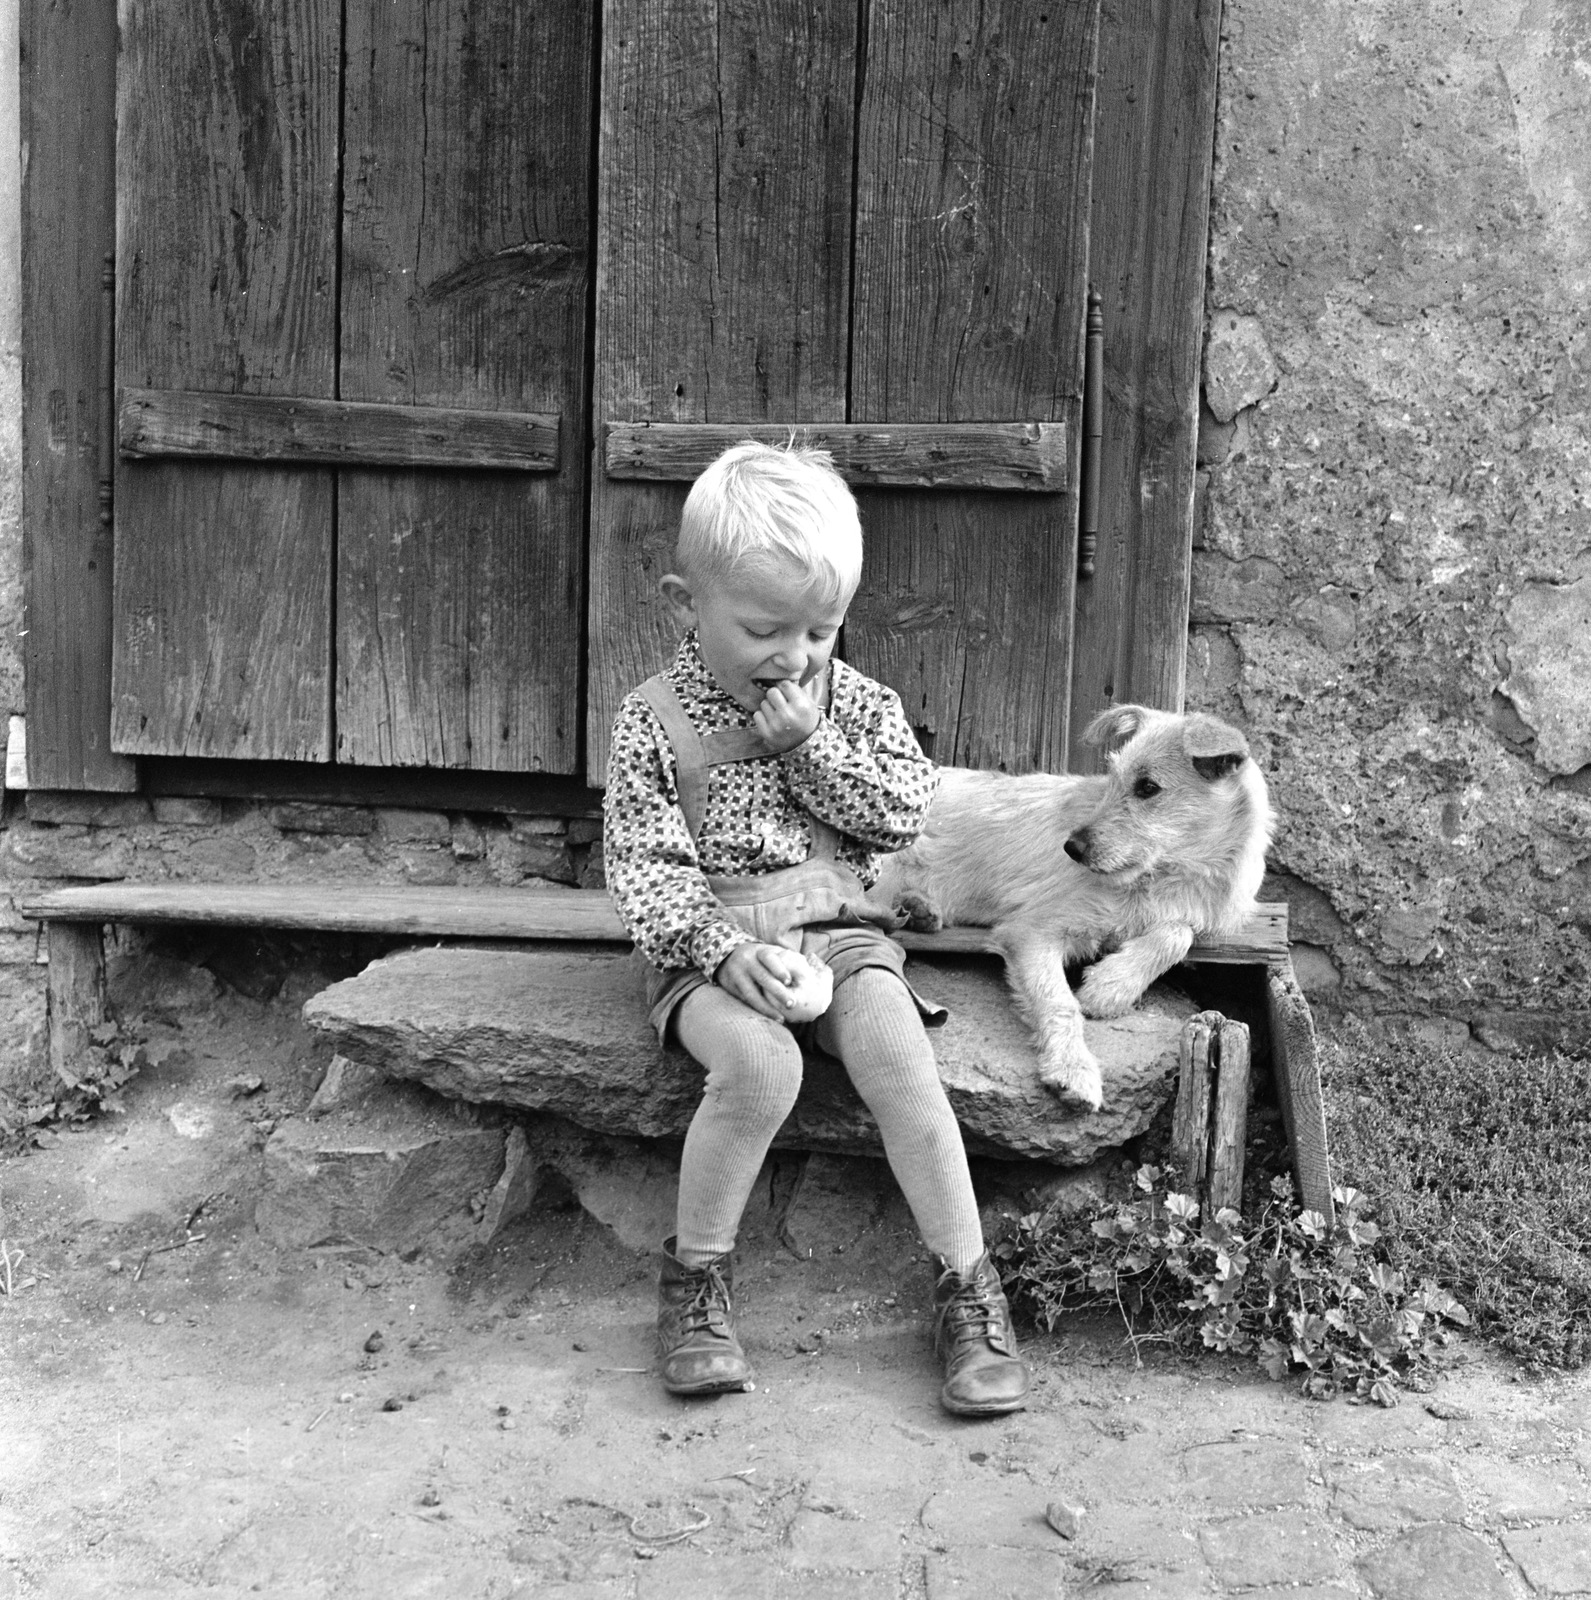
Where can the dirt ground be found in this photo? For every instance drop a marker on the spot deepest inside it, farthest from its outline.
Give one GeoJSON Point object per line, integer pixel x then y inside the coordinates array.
{"type": "Point", "coordinates": [185, 1409]}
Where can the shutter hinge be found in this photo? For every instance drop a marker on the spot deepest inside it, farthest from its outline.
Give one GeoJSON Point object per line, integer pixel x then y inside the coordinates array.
{"type": "Point", "coordinates": [1093, 435]}
{"type": "Point", "coordinates": [107, 380]}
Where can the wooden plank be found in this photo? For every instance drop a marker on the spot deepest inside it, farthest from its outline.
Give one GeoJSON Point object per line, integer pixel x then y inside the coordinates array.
{"type": "Point", "coordinates": [227, 168]}
{"type": "Point", "coordinates": [76, 996]}
{"type": "Point", "coordinates": [246, 427]}
{"type": "Point", "coordinates": [544, 913]}
{"type": "Point", "coordinates": [1295, 1060]}
{"type": "Point", "coordinates": [924, 455]}
{"type": "Point", "coordinates": [1261, 941]}
{"type": "Point", "coordinates": [974, 152]}
{"type": "Point", "coordinates": [430, 788]}
{"type": "Point", "coordinates": [724, 242]}
{"type": "Point", "coordinates": [68, 127]}
{"type": "Point", "coordinates": [466, 271]}
{"type": "Point", "coordinates": [552, 913]}
{"type": "Point", "coordinates": [1190, 1118]}
{"type": "Point", "coordinates": [1229, 1129]}
{"type": "Point", "coordinates": [1155, 135]}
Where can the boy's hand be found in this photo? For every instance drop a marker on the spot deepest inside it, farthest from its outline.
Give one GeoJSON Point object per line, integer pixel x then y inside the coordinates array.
{"type": "Point", "coordinates": [787, 716]}
{"type": "Point", "coordinates": [760, 976]}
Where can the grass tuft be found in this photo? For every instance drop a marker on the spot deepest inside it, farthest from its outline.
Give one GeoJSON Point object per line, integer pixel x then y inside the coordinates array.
{"type": "Point", "coordinates": [1479, 1173]}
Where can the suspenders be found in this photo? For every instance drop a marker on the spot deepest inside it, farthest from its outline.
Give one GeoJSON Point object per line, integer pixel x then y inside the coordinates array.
{"type": "Point", "coordinates": [695, 753]}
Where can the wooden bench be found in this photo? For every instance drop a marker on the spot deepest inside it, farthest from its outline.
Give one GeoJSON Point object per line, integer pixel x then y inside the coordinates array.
{"type": "Point", "coordinates": [74, 919]}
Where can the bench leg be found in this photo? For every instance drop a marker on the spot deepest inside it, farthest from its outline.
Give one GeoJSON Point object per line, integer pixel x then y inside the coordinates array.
{"type": "Point", "coordinates": [1190, 1123]}
{"type": "Point", "coordinates": [1229, 1135]}
{"type": "Point", "coordinates": [1297, 1064]}
{"type": "Point", "coordinates": [77, 994]}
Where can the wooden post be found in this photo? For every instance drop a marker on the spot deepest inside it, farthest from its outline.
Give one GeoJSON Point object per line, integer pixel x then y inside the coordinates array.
{"type": "Point", "coordinates": [1297, 1068]}
{"type": "Point", "coordinates": [1231, 1116]}
{"type": "Point", "coordinates": [1190, 1123]}
{"type": "Point", "coordinates": [1210, 1122]}
{"type": "Point", "coordinates": [77, 994]}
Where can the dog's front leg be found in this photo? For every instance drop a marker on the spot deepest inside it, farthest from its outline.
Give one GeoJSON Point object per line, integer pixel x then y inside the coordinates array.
{"type": "Point", "coordinates": [1113, 986]}
{"type": "Point", "coordinates": [1037, 974]}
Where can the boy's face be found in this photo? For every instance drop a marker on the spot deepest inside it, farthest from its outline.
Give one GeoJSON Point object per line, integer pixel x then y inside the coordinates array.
{"type": "Point", "coordinates": [765, 626]}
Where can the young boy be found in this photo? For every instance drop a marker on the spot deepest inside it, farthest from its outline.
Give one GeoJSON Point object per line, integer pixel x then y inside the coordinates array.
{"type": "Point", "coordinates": [750, 789]}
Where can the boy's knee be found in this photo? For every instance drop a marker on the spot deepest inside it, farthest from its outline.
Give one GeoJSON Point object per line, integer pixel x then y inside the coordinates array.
{"type": "Point", "coordinates": [875, 990]}
{"type": "Point", "coordinates": [763, 1076]}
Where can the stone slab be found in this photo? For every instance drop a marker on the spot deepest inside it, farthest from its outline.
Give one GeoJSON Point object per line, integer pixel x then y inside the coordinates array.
{"type": "Point", "coordinates": [565, 1031]}
{"type": "Point", "coordinates": [1436, 1562]}
{"type": "Point", "coordinates": [996, 1575]}
{"type": "Point", "coordinates": [1383, 1496]}
{"type": "Point", "coordinates": [1008, 1513]}
{"type": "Point", "coordinates": [1247, 1473]}
{"type": "Point", "coordinates": [1556, 1559]}
{"type": "Point", "coordinates": [387, 1173]}
{"type": "Point", "coordinates": [1273, 1547]}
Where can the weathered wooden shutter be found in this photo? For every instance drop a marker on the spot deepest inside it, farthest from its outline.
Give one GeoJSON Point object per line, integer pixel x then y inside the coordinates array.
{"type": "Point", "coordinates": [387, 275]}
{"type": "Point", "coordinates": [226, 180]}
{"type": "Point", "coordinates": [882, 234]}
{"type": "Point", "coordinates": [1151, 198]}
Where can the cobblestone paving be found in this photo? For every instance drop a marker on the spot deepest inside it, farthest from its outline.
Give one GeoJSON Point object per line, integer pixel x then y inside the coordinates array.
{"type": "Point", "coordinates": [223, 1423]}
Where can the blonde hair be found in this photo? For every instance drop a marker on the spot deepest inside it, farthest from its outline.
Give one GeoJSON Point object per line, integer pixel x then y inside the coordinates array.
{"type": "Point", "coordinates": [759, 502]}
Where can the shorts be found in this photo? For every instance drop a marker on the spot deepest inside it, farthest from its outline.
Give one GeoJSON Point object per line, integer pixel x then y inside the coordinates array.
{"type": "Point", "coordinates": [846, 947]}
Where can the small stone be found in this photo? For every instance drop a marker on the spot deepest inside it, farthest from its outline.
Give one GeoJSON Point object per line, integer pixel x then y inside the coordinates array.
{"type": "Point", "coordinates": [245, 1083]}
{"type": "Point", "coordinates": [114, 1264]}
{"type": "Point", "coordinates": [430, 1498]}
{"type": "Point", "coordinates": [159, 1319]}
{"type": "Point", "coordinates": [1066, 1520]}
{"type": "Point", "coordinates": [508, 1424]}
{"type": "Point", "coordinates": [392, 1403]}
{"type": "Point", "coordinates": [374, 1343]}
{"type": "Point", "coordinates": [1446, 1411]}
{"type": "Point", "coordinates": [346, 1398]}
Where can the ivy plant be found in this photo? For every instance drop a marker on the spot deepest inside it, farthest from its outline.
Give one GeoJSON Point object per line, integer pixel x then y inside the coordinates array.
{"type": "Point", "coordinates": [1300, 1297]}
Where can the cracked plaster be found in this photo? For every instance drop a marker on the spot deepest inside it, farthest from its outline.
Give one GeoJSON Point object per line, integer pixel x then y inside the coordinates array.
{"type": "Point", "coordinates": [1400, 212]}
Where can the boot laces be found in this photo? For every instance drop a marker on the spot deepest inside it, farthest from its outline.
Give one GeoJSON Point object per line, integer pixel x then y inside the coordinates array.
{"type": "Point", "coordinates": [707, 1310]}
{"type": "Point", "coordinates": [971, 1313]}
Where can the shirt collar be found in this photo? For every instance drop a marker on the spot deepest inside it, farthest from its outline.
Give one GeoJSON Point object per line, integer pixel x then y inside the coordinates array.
{"type": "Point", "coordinates": [689, 671]}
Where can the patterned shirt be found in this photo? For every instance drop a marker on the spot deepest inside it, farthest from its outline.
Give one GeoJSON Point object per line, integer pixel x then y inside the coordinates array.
{"type": "Point", "coordinates": [861, 771]}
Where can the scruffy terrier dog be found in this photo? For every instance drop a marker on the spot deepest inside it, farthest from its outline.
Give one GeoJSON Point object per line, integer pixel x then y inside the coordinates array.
{"type": "Point", "coordinates": [1168, 844]}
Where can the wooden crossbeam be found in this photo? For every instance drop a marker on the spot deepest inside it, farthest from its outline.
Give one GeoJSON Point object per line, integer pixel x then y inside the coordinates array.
{"type": "Point", "coordinates": [167, 423]}
{"type": "Point", "coordinates": [905, 455]}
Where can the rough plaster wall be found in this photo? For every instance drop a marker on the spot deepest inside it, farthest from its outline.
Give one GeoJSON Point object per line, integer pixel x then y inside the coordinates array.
{"type": "Point", "coordinates": [1394, 593]}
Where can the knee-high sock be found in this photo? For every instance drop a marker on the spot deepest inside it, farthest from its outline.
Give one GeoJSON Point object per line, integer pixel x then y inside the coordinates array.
{"type": "Point", "coordinates": [753, 1073]}
{"type": "Point", "coordinates": [874, 1027]}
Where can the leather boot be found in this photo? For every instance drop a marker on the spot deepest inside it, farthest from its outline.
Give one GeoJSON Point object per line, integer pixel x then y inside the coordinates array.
{"type": "Point", "coordinates": [696, 1327]}
{"type": "Point", "coordinates": [984, 1376]}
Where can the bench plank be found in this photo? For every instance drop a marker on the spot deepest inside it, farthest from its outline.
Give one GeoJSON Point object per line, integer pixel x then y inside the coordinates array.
{"type": "Point", "coordinates": [481, 913]}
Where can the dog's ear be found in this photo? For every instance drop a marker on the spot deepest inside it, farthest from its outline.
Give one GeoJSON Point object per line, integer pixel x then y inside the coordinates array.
{"type": "Point", "coordinates": [1116, 726]}
{"type": "Point", "coordinates": [1214, 748]}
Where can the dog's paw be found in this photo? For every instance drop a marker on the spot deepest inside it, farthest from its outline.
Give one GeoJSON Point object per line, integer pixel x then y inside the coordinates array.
{"type": "Point", "coordinates": [920, 913]}
{"type": "Point", "coordinates": [1073, 1076]}
{"type": "Point", "coordinates": [1103, 993]}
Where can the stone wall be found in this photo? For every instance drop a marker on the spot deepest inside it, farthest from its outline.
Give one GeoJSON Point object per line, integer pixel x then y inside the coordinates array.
{"type": "Point", "coordinates": [1392, 585]}
{"type": "Point", "coordinates": [53, 838]}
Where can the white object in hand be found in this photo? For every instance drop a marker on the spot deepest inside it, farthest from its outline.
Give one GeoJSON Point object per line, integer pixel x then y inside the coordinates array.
{"type": "Point", "coordinates": [811, 990]}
